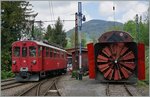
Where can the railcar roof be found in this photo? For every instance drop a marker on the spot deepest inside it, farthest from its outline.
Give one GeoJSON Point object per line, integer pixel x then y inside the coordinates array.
{"type": "Point", "coordinates": [46, 45]}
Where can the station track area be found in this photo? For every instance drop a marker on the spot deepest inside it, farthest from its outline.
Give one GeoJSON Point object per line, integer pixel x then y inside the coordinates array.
{"type": "Point", "coordinates": [65, 85]}
{"type": "Point", "coordinates": [45, 87]}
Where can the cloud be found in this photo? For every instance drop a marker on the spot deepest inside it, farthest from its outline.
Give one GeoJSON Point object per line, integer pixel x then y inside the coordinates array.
{"type": "Point", "coordinates": [124, 10]}
{"type": "Point", "coordinates": [63, 9]}
{"type": "Point", "coordinates": [105, 8]}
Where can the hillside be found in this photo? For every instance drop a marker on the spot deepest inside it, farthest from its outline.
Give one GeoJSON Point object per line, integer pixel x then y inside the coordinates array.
{"type": "Point", "coordinates": [94, 28]}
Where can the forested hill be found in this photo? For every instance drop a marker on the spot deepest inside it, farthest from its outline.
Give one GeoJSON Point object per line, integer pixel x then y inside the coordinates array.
{"type": "Point", "coordinates": [96, 27]}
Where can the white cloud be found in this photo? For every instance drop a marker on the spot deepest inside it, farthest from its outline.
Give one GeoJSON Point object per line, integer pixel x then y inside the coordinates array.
{"type": "Point", "coordinates": [124, 10]}
{"type": "Point", "coordinates": [63, 9]}
{"type": "Point", "coordinates": [128, 15]}
{"type": "Point", "coordinates": [105, 8]}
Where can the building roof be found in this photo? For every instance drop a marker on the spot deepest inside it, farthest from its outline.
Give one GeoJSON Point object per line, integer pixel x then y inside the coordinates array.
{"type": "Point", "coordinates": [71, 50]}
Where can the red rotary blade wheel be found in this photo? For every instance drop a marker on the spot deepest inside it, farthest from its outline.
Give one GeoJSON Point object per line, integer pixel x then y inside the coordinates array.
{"type": "Point", "coordinates": [116, 61]}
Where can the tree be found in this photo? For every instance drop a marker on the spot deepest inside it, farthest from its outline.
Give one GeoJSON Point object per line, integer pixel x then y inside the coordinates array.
{"type": "Point", "coordinates": [130, 27]}
{"type": "Point", "coordinates": [13, 23]}
{"type": "Point", "coordinates": [49, 34]}
{"type": "Point", "coordinates": [56, 35]}
{"type": "Point", "coordinates": [115, 28]}
{"type": "Point", "coordinates": [71, 40]}
{"type": "Point", "coordinates": [143, 33]}
{"type": "Point", "coordinates": [93, 38]}
{"type": "Point", "coordinates": [38, 33]}
{"type": "Point", "coordinates": [83, 39]}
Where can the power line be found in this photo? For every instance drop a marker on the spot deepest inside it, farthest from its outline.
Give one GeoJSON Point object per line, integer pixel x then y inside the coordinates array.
{"type": "Point", "coordinates": [52, 10]}
{"type": "Point", "coordinates": [57, 20]}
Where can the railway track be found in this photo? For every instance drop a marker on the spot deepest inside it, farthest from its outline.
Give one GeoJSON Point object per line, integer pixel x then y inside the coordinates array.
{"type": "Point", "coordinates": [10, 83]}
{"type": "Point", "coordinates": [52, 90]}
{"type": "Point", "coordinates": [6, 80]}
{"type": "Point", "coordinates": [42, 88]}
{"type": "Point", "coordinates": [118, 90]}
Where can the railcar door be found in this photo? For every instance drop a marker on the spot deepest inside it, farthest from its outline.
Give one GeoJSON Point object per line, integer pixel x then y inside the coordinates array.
{"type": "Point", "coordinates": [40, 59]}
{"type": "Point", "coordinates": [24, 59]}
{"type": "Point", "coordinates": [43, 57]}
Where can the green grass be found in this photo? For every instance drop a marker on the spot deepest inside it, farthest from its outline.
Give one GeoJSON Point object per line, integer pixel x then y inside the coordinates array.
{"type": "Point", "coordinates": [141, 83]}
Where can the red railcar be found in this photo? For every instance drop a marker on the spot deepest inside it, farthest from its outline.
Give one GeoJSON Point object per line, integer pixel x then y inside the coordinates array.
{"type": "Point", "coordinates": [32, 60]}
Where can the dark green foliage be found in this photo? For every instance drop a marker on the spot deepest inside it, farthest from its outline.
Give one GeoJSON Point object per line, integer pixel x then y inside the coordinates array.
{"type": "Point", "coordinates": [49, 34]}
{"type": "Point", "coordinates": [130, 27]}
{"type": "Point", "coordinates": [12, 24]}
{"type": "Point", "coordinates": [56, 35]}
{"type": "Point", "coordinates": [143, 31]}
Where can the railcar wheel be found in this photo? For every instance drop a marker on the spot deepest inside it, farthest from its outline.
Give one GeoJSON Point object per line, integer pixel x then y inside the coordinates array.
{"type": "Point", "coordinates": [116, 61]}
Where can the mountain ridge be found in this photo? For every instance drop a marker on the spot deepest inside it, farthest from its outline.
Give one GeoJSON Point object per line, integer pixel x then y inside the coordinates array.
{"type": "Point", "coordinates": [95, 27]}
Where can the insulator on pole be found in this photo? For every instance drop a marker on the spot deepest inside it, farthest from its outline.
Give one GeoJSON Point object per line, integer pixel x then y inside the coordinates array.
{"type": "Point", "coordinates": [113, 7]}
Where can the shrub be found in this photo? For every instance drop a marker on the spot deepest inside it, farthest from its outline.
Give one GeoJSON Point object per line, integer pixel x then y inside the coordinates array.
{"type": "Point", "coordinates": [6, 74]}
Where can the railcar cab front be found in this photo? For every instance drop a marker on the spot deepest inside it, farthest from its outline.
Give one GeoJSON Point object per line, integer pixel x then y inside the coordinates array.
{"type": "Point", "coordinates": [25, 57]}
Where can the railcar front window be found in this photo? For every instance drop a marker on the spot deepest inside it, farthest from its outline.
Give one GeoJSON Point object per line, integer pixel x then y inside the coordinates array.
{"type": "Point", "coordinates": [17, 51]}
{"type": "Point", "coordinates": [24, 51]}
{"type": "Point", "coordinates": [32, 51]}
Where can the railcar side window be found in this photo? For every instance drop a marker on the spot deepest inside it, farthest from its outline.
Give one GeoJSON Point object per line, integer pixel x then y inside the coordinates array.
{"type": "Point", "coordinates": [62, 55]}
{"type": "Point", "coordinates": [16, 51]}
{"type": "Point", "coordinates": [58, 53]}
{"type": "Point", "coordinates": [47, 52]}
{"type": "Point", "coordinates": [51, 52]}
{"type": "Point", "coordinates": [32, 51]}
{"type": "Point", "coordinates": [24, 51]}
{"type": "Point", "coordinates": [39, 50]}
{"type": "Point", "coordinates": [54, 53]}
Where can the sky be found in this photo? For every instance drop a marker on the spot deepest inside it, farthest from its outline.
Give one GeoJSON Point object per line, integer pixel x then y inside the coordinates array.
{"type": "Point", "coordinates": [102, 10]}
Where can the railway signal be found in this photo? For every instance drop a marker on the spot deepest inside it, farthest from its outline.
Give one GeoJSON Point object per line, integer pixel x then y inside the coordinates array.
{"type": "Point", "coordinates": [80, 19]}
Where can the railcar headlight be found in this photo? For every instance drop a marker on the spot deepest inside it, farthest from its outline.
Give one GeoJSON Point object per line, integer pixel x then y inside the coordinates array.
{"type": "Point", "coordinates": [34, 61]}
{"type": "Point", "coordinates": [14, 62]}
